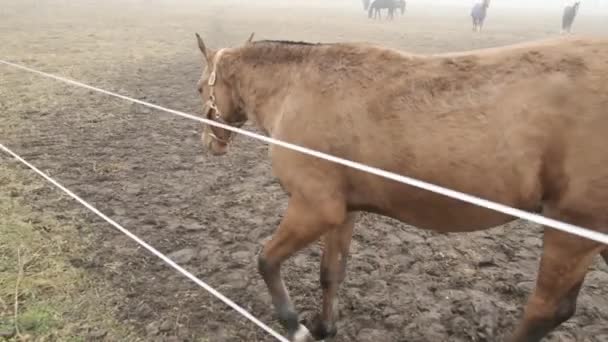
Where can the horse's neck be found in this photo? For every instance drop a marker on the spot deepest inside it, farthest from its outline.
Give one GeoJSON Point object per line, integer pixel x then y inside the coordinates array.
{"type": "Point", "coordinates": [262, 91]}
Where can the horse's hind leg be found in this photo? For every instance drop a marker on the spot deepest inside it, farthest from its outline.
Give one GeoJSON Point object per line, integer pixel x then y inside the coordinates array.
{"type": "Point", "coordinates": [605, 256]}
{"type": "Point", "coordinates": [564, 264]}
{"type": "Point", "coordinates": [303, 223]}
{"type": "Point", "coordinates": [333, 271]}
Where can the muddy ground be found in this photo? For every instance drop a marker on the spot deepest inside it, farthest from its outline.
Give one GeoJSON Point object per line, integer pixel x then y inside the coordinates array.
{"type": "Point", "coordinates": [147, 170]}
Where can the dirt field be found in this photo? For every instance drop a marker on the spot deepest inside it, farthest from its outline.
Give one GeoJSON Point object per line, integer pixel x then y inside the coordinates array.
{"type": "Point", "coordinates": [147, 171]}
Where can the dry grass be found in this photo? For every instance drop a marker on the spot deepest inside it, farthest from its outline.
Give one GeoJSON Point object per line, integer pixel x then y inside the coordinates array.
{"type": "Point", "coordinates": [53, 300]}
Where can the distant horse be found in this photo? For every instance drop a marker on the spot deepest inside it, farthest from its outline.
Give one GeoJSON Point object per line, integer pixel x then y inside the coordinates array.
{"type": "Point", "coordinates": [391, 5]}
{"type": "Point", "coordinates": [479, 14]}
{"type": "Point", "coordinates": [568, 17]}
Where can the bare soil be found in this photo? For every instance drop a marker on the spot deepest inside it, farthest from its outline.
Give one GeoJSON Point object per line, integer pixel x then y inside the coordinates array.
{"type": "Point", "coordinates": [147, 170]}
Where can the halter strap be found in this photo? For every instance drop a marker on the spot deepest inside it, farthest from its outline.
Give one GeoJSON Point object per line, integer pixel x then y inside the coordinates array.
{"type": "Point", "coordinates": [212, 76]}
{"type": "Point", "coordinates": [211, 102]}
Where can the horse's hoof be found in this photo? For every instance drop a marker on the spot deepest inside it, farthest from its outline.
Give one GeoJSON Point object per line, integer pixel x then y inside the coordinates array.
{"type": "Point", "coordinates": [321, 331]}
{"type": "Point", "coordinates": [302, 335]}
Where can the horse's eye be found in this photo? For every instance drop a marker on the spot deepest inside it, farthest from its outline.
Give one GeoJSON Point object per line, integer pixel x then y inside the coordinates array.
{"type": "Point", "coordinates": [200, 90]}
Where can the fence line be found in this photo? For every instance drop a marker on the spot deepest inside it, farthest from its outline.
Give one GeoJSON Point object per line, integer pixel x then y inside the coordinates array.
{"type": "Point", "coordinates": [464, 197]}
{"type": "Point", "coordinates": [151, 249]}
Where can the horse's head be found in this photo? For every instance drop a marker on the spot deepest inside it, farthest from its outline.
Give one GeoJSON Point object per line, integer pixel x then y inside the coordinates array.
{"type": "Point", "coordinates": [486, 3]}
{"type": "Point", "coordinates": [221, 102]}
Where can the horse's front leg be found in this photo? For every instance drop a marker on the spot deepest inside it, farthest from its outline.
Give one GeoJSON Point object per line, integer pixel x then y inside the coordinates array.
{"type": "Point", "coordinates": [333, 271]}
{"type": "Point", "coordinates": [303, 223]}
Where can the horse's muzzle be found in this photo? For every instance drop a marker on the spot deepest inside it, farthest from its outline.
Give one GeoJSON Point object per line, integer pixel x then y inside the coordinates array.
{"type": "Point", "coordinates": [213, 144]}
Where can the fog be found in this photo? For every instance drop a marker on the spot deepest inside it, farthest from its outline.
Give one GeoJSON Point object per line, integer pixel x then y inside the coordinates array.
{"type": "Point", "coordinates": [537, 4]}
{"type": "Point", "coordinates": [588, 7]}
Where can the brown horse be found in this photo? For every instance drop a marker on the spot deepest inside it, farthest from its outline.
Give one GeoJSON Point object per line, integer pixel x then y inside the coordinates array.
{"type": "Point", "coordinates": [475, 122]}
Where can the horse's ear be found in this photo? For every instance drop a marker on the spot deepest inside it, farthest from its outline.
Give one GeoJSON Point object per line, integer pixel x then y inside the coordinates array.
{"type": "Point", "coordinates": [250, 38]}
{"type": "Point", "coordinates": [201, 46]}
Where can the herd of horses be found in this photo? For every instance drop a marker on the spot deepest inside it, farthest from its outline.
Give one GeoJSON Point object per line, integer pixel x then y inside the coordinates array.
{"type": "Point", "coordinates": [478, 12]}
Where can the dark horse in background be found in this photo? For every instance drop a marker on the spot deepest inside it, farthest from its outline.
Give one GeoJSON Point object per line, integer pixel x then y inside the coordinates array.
{"type": "Point", "coordinates": [478, 13]}
{"type": "Point", "coordinates": [377, 5]}
{"type": "Point", "coordinates": [568, 17]}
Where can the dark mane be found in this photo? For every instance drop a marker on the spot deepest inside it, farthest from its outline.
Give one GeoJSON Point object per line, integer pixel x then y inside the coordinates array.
{"type": "Point", "coordinates": [266, 52]}
{"type": "Point", "coordinates": [289, 42]}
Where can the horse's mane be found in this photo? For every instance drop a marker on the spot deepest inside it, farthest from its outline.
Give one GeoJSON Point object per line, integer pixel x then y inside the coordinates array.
{"type": "Point", "coordinates": [289, 42]}
{"type": "Point", "coordinates": [277, 51]}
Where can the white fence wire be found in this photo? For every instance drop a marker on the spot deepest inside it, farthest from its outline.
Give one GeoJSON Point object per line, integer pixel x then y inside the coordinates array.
{"type": "Point", "coordinates": [148, 247]}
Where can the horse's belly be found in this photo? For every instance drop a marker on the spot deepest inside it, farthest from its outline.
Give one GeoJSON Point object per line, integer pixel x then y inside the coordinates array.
{"type": "Point", "coordinates": [453, 218]}
{"type": "Point", "coordinates": [427, 210]}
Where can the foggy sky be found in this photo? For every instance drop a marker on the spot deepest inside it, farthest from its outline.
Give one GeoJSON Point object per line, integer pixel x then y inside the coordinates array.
{"type": "Point", "coordinates": [550, 5]}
